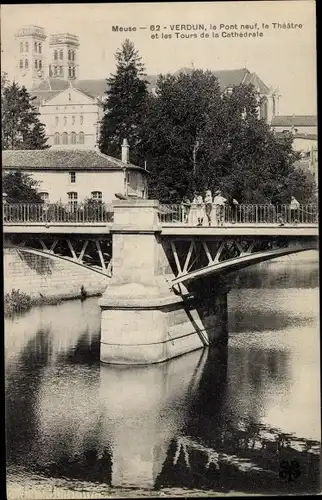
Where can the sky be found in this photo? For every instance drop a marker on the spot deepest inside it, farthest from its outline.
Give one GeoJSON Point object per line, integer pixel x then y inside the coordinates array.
{"type": "Point", "coordinates": [283, 58]}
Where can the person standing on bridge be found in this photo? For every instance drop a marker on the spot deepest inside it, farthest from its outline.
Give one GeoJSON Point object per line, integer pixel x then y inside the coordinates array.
{"type": "Point", "coordinates": [294, 209]}
{"type": "Point", "coordinates": [219, 202]}
{"type": "Point", "coordinates": [208, 205]}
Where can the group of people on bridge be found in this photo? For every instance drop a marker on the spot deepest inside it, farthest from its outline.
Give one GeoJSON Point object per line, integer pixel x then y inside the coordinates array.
{"type": "Point", "coordinates": [215, 210]}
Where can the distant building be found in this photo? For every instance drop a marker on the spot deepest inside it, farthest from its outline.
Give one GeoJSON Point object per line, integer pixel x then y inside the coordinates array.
{"type": "Point", "coordinates": [70, 176]}
{"type": "Point", "coordinates": [71, 108]}
{"type": "Point", "coordinates": [305, 138]}
{"type": "Point", "coordinates": [71, 111]}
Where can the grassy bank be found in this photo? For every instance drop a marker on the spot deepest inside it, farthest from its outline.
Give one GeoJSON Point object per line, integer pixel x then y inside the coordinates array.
{"type": "Point", "coordinates": [17, 302]}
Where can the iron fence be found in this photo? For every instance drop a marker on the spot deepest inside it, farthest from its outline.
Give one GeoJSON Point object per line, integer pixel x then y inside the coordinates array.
{"type": "Point", "coordinates": [50, 213]}
{"type": "Point", "coordinates": [194, 215]}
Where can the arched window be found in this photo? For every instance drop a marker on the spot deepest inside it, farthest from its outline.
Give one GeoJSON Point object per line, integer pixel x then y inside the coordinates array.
{"type": "Point", "coordinates": [39, 48]}
{"type": "Point", "coordinates": [65, 120]}
{"type": "Point", "coordinates": [73, 138]}
{"type": "Point", "coordinates": [55, 70]}
{"type": "Point", "coordinates": [73, 55]}
{"type": "Point", "coordinates": [56, 138]}
{"type": "Point", "coordinates": [36, 64]}
{"type": "Point", "coordinates": [73, 120]}
{"type": "Point", "coordinates": [21, 64]}
{"type": "Point", "coordinates": [81, 138]}
{"type": "Point", "coordinates": [27, 47]}
{"type": "Point", "coordinates": [61, 54]}
{"type": "Point", "coordinates": [97, 195]}
{"type": "Point", "coordinates": [35, 46]}
{"type": "Point", "coordinates": [55, 55]}
{"type": "Point", "coordinates": [69, 55]}
{"type": "Point", "coordinates": [56, 120]}
{"type": "Point", "coordinates": [69, 71]}
{"type": "Point", "coordinates": [44, 196]}
{"type": "Point", "coordinates": [64, 138]}
{"type": "Point", "coordinates": [26, 63]}
{"type": "Point", "coordinates": [72, 200]}
{"type": "Point", "coordinates": [61, 72]}
{"type": "Point", "coordinates": [73, 72]}
{"type": "Point", "coordinates": [81, 120]}
{"type": "Point", "coordinates": [40, 64]}
{"type": "Point", "coordinates": [21, 47]}
{"type": "Point", "coordinates": [69, 97]}
{"type": "Point", "coordinates": [50, 71]}
{"type": "Point", "coordinates": [263, 109]}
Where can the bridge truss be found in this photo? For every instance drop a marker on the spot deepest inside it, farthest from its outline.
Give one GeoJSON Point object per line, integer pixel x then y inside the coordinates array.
{"type": "Point", "coordinates": [193, 258]}
{"type": "Point", "coordinates": [93, 253]}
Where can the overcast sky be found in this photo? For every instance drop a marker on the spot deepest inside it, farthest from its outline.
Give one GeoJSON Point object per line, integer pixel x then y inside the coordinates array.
{"type": "Point", "coordinates": [282, 58]}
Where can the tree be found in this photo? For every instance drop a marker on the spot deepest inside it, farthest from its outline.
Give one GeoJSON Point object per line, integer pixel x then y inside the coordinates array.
{"type": "Point", "coordinates": [195, 138]}
{"type": "Point", "coordinates": [20, 188]}
{"type": "Point", "coordinates": [174, 129]}
{"type": "Point", "coordinates": [125, 103]}
{"type": "Point", "coordinates": [21, 128]}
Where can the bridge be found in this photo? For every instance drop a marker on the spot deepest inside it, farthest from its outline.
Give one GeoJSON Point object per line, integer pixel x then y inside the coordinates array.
{"type": "Point", "coordinates": [166, 273]}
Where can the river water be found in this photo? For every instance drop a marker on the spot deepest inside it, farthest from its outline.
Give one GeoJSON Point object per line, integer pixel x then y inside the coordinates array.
{"type": "Point", "coordinates": [244, 418]}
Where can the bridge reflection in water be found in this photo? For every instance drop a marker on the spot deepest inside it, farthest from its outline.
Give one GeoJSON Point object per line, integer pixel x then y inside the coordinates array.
{"type": "Point", "coordinates": [184, 423]}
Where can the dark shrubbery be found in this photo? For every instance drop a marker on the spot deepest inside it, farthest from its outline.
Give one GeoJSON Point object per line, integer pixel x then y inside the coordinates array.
{"type": "Point", "coordinates": [17, 302]}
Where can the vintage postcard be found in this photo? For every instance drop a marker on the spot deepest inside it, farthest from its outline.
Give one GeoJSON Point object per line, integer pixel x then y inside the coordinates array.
{"type": "Point", "coordinates": [161, 270]}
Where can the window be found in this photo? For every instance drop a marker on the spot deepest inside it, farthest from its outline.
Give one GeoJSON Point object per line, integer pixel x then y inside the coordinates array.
{"type": "Point", "coordinates": [39, 64]}
{"type": "Point", "coordinates": [21, 47]}
{"type": "Point", "coordinates": [39, 48]}
{"type": "Point", "coordinates": [73, 138]}
{"type": "Point", "coordinates": [72, 200]}
{"type": "Point", "coordinates": [50, 71]}
{"type": "Point", "coordinates": [55, 70]}
{"type": "Point", "coordinates": [27, 47]}
{"type": "Point", "coordinates": [55, 55]}
{"type": "Point", "coordinates": [81, 120]}
{"type": "Point", "coordinates": [81, 138]}
{"type": "Point", "coordinates": [61, 71]}
{"type": "Point", "coordinates": [64, 138]}
{"type": "Point", "coordinates": [61, 54]}
{"type": "Point", "coordinates": [26, 63]}
{"type": "Point", "coordinates": [73, 120]}
{"type": "Point", "coordinates": [21, 64]}
{"type": "Point", "coordinates": [44, 196]}
{"type": "Point", "coordinates": [97, 195]}
{"type": "Point", "coordinates": [69, 97]}
{"type": "Point", "coordinates": [65, 120]}
{"type": "Point", "coordinates": [73, 72]}
{"type": "Point", "coordinates": [56, 137]}
{"type": "Point", "coordinates": [56, 120]}
{"type": "Point", "coordinates": [72, 177]}
{"type": "Point", "coordinates": [35, 46]}
{"type": "Point", "coordinates": [69, 55]}
{"type": "Point", "coordinates": [69, 71]}
{"type": "Point", "coordinates": [73, 55]}
{"type": "Point", "coordinates": [36, 64]}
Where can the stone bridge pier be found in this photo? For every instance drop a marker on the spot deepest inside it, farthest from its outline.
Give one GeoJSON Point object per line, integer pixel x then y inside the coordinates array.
{"type": "Point", "coordinates": [144, 319]}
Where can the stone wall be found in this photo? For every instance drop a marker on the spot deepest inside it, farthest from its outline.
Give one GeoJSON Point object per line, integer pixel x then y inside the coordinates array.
{"type": "Point", "coordinates": [51, 277]}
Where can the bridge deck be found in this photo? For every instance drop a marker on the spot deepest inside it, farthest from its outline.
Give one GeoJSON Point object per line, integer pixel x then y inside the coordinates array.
{"type": "Point", "coordinates": [96, 228]}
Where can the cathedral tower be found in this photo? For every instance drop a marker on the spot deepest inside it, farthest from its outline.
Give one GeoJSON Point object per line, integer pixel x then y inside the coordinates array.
{"type": "Point", "coordinates": [31, 60]}
{"type": "Point", "coordinates": [63, 56]}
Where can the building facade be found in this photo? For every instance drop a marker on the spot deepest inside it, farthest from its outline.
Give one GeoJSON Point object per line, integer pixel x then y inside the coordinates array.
{"type": "Point", "coordinates": [305, 138]}
{"type": "Point", "coordinates": [71, 176]}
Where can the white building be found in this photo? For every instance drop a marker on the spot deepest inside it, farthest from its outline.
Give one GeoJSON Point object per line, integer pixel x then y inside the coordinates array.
{"type": "Point", "coordinates": [72, 175]}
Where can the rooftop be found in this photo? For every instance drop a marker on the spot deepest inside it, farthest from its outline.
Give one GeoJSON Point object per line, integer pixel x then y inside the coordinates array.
{"type": "Point", "coordinates": [96, 88]}
{"type": "Point", "coordinates": [62, 159]}
{"type": "Point", "coordinates": [295, 121]}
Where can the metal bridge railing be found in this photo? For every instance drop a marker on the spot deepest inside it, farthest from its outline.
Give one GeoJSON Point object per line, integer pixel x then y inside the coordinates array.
{"type": "Point", "coordinates": [67, 213]}
{"type": "Point", "coordinates": [193, 215]}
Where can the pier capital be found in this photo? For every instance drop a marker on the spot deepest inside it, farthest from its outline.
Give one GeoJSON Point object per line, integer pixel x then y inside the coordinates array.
{"type": "Point", "coordinates": [136, 214]}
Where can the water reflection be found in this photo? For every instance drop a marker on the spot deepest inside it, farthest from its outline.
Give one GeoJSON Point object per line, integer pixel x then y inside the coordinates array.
{"type": "Point", "coordinates": [219, 418]}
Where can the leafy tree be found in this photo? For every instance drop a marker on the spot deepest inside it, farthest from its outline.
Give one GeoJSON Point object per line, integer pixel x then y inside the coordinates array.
{"type": "Point", "coordinates": [20, 188]}
{"type": "Point", "coordinates": [197, 139]}
{"type": "Point", "coordinates": [125, 103]}
{"type": "Point", "coordinates": [21, 128]}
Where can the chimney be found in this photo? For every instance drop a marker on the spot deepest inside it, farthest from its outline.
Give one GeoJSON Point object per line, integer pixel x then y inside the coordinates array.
{"type": "Point", "coordinates": [125, 151]}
